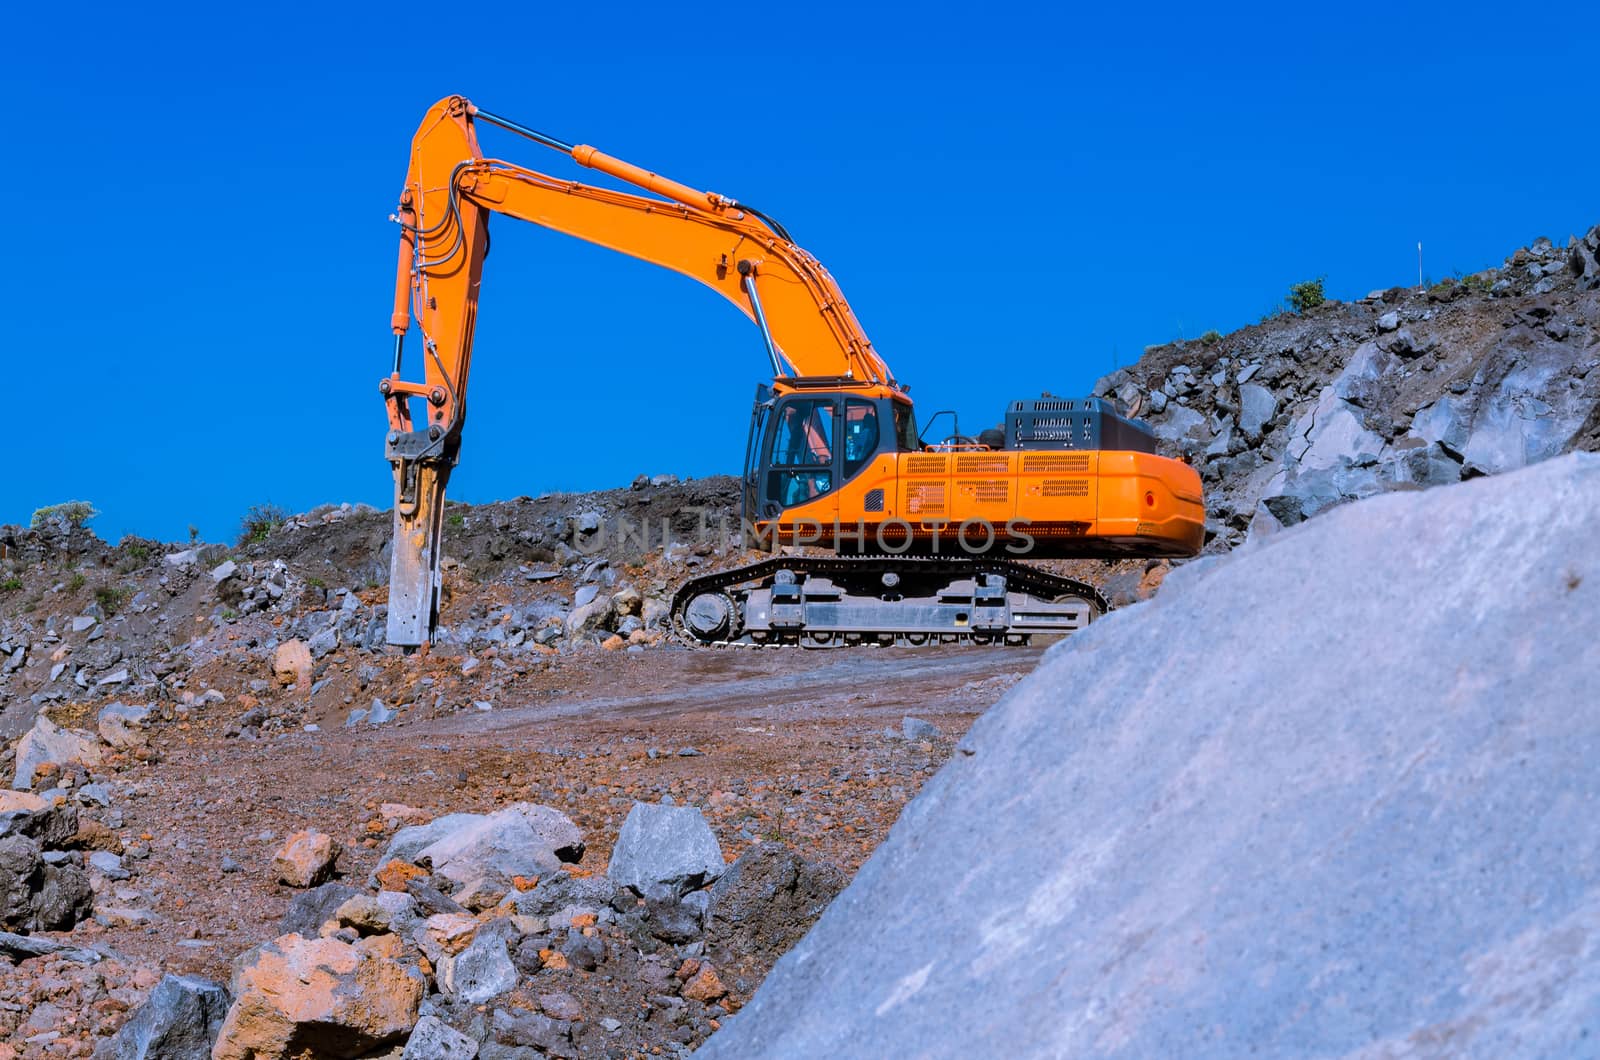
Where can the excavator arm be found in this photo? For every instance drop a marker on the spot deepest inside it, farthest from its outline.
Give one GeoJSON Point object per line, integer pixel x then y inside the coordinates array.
{"type": "Point", "coordinates": [805, 322]}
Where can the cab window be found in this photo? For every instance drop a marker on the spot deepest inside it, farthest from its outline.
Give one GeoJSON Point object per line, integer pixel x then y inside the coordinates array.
{"type": "Point", "coordinates": [805, 434]}
{"type": "Point", "coordinates": [860, 434]}
{"type": "Point", "coordinates": [905, 428]}
{"type": "Point", "coordinates": [801, 465]}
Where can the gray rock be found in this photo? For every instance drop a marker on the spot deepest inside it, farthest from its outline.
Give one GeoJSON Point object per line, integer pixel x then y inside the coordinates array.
{"type": "Point", "coordinates": [1222, 441]}
{"type": "Point", "coordinates": [433, 1039]}
{"type": "Point", "coordinates": [223, 571]}
{"type": "Point", "coordinates": [665, 850]}
{"type": "Point", "coordinates": [1375, 838]}
{"type": "Point", "coordinates": [1257, 406]}
{"type": "Point", "coordinates": [323, 642]}
{"type": "Point", "coordinates": [49, 742]}
{"type": "Point", "coordinates": [309, 910]}
{"type": "Point", "coordinates": [377, 714]}
{"type": "Point", "coordinates": [180, 1021]}
{"type": "Point", "coordinates": [121, 725]}
{"type": "Point", "coordinates": [1389, 321]}
{"type": "Point", "coordinates": [591, 617]}
{"type": "Point", "coordinates": [917, 729]}
{"type": "Point", "coordinates": [23, 947]}
{"type": "Point", "coordinates": [1158, 401]}
{"type": "Point", "coordinates": [38, 818]}
{"type": "Point", "coordinates": [410, 841]}
{"type": "Point", "coordinates": [93, 795]}
{"type": "Point", "coordinates": [1184, 429]}
{"type": "Point", "coordinates": [1441, 422]}
{"type": "Point", "coordinates": [481, 971]}
{"type": "Point", "coordinates": [533, 1030]}
{"type": "Point", "coordinates": [108, 865]}
{"type": "Point", "coordinates": [585, 595]}
{"type": "Point", "coordinates": [766, 901]}
{"type": "Point", "coordinates": [523, 839]}
{"type": "Point", "coordinates": [83, 622]}
{"type": "Point", "coordinates": [37, 896]}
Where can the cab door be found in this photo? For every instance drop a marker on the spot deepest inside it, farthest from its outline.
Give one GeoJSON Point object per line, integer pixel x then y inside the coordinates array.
{"type": "Point", "coordinates": [802, 458]}
{"type": "Point", "coordinates": [760, 415]}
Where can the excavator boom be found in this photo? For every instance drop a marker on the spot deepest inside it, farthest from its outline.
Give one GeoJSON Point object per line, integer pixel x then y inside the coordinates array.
{"type": "Point", "coordinates": [807, 325]}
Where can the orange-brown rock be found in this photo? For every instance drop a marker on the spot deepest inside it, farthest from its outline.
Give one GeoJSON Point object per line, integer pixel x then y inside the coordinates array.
{"type": "Point", "coordinates": [93, 835]}
{"type": "Point", "coordinates": [318, 997]}
{"type": "Point", "coordinates": [393, 876]}
{"type": "Point", "coordinates": [305, 859]}
{"type": "Point", "coordinates": [291, 663]}
{"type": "Point", "coordinates": [450, 933]}
{"type": "Point", "coordinates": [705, 986]}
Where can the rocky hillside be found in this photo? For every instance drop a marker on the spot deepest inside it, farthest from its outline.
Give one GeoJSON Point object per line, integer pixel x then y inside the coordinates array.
{"type": "Point", "coordinates": [1403, 389]}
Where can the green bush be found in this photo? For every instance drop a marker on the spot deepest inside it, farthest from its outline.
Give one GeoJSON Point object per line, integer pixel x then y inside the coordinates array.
{"type": "Point", "coordinates": [260, 521]}
{"type": "Point", "coordinates": [69, 515]}
{"type": "Point", "coordinates": [10, 585]}
{"type": "Point", "coordinates": [110, 598]}
{"type": "Point", "coordinates": [135, 548]}
{"type": "Point", "coordinates": [1211, 338]}
{"type": "Point", "coordinates": [456, 519]}
{"type": "Point", "coordinates": [75, 582]}
{"type": "Point", "coordinates": [1307, 295]}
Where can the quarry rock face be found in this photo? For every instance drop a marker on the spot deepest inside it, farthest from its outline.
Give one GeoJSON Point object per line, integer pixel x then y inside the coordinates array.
{"type": "Point", "coordinates": [1346, 809]}
{"type": "Point", "coordinates": [1405, 389]}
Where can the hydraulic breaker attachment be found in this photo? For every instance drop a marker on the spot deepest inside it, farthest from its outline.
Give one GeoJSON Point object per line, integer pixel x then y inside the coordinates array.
{"type": "Point", "coordinates": [421, 470]}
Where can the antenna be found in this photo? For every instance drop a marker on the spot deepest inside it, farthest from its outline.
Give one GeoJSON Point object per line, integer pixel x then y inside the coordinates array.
{"type": "Point", "coordinates": [1419, 265]}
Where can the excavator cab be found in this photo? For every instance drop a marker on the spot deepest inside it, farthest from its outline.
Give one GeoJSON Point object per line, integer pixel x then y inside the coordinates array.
{"type": "Point", "coordinates": [805, 445]}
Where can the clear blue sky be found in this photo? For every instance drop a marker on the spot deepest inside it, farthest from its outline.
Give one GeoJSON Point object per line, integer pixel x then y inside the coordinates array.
{"type": "Point", "coordinates": [199, 263]}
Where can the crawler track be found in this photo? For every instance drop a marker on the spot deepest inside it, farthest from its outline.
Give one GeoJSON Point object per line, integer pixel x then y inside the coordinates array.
{"type": "Point", "coordinates": [860, 584]}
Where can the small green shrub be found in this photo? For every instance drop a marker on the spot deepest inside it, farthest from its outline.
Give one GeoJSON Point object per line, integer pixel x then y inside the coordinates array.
{"type": "Point", "coordinates": [260, 521]}
{"type": "Point", "coordinates": [194, 533]}
{"type": "Point", "coordinates": [316, 582]}
{"type": "Point", "coordinates": [135, 549]}
{"type": "Point", "coordinates": [456, 519]}
{"type": "Point", "coordinates": [10, 585]}
{"type": "Point", "coordinates": [1211, 338]}
{"type": "Point", "coordinates": [1307, 295]}
{"type": "Point", "coordinates": [110, 598]}
{"type": "Point", "coordinates": [75, 582]}
{"type": "Point", "coordinates": [69, 515]}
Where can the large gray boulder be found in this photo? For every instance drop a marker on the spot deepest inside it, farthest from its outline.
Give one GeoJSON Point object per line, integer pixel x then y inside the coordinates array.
{"type": "Point", "coordinates": [24, 813]}
{"type": "Point", "coordinates": [48, 742]}
{"type": "Point", "coordinates": [665, 850]}
{"type": "Point", "coordinates": [523, 839]}
{"type": "Point", "coordinates": [180, 1021]}
{"type": "Point", "coordinates": [36, 895]}
{"type": "Point", "coordinates": [1331, 795]}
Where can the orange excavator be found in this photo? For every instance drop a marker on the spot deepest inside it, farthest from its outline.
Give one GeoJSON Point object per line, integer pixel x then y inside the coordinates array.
{"type": "Point", "coordinates": [925, 539]}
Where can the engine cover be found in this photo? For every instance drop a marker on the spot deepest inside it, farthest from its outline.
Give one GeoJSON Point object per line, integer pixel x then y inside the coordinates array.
{"type": "Point", "coordinates": [1075, 423]}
